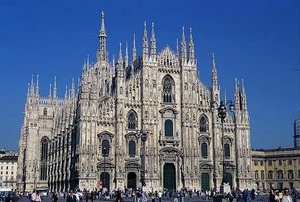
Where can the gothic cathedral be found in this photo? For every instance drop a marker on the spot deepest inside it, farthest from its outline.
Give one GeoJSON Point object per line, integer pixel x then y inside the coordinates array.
{"type": "Point", "coordinates": [151, 122]}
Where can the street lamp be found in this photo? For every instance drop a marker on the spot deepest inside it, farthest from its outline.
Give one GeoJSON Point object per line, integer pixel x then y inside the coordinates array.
{"type": "Point", "coordinates": [222, 112]}
{"type": "Point", "coordinates": [104, 173]}
{"type": "Point", "coordinates": [34, 176]}
{"type": "Point", "coordinates": [143, 170]}
{"type": "Point", "coordinates": [182, 169]}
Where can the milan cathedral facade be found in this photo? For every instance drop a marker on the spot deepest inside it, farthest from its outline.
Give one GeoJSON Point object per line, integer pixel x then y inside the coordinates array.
{"type": "Point", "coordinates": [150, 122]}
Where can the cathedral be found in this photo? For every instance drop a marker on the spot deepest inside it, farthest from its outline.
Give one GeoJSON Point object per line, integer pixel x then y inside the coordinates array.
{"type": "Point", "coordinates": [148, 123]}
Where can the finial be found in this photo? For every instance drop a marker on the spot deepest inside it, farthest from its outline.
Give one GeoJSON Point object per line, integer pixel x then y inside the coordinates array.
{"type": "Point", "coordinates": [54, 88]}
{"type": "Point", "coordinates": [133, 49]}
{"type": "Point", "coordinates": [37, 85]}
{"type": "Point", "coordinates": [50, 91]}
{"type": "Point", "coordinates": [177, 47]}
{"type": "Point", "coordinates": [126, 54]}
{"type": "Point", "coordinates": [120, 53]}
{"type": "Point", "coordinates": [102, 14]}
{"type": "Point", "coordinates": [66, 93]}
{"type": "Point", "coordinates": [152, 28]}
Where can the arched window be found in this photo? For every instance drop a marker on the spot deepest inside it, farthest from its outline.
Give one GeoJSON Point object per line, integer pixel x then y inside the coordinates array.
{"type": "Point", "coordinates": [262, 175]}
{"type": "Point", "coordinates": [44, 154]}
{"type": "Point", "coordinates": [105, 147]}
{"type": "Point", "coordinates": [131, 148]}
{"type": "Point", "coordinates": [132, 120]}
{"type": "Point", "coordinates": [203, 124]}
{"type": "Point", "coordinates": [290, 174]}
{"type": "Point", "coordinates": [280, 175]}
{"type": "Point", "coordinates": [45, 111]}
{"type": "Point", "coordinates": [256, 174]}
{"type": "Point", "coordinates": [168, 85]}
{"type": "Point", "coordinates": [169, 128]}
{"type": "Point", "coordinates": [204, 150]}
{"type": "Point", "coordinates": [227, 150]}
{"type": "Point", "coordinates": [270, 175]}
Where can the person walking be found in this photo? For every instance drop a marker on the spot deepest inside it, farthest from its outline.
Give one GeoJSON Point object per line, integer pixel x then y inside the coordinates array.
{"type": "Point", "coordinates": [286, 197]}
{"type": "Point", "coordinates": [37, 197]}
{"type": "Point", "coordinates": [71, 197]}
{"type": "Point", "coordinates": [54, 197]}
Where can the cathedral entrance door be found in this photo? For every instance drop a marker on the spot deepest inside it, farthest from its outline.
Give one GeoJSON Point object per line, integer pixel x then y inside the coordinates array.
{"type": "Point", "coordinates": [229, 178]}
{"type": "Point", "coordinates": [131, 180]}
{"type": "Point", "coordinates": [105, 178]}
{"type": "Point", "coordinates": [205, 181]}
{"type": "Point", "coordinates": [169, 176]}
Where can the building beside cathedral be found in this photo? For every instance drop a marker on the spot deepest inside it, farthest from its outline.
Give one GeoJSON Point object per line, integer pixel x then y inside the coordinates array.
{"type": "Point", "coordinates": [280, 167]}
{"type": "Point", "coordinates": [149, 122]}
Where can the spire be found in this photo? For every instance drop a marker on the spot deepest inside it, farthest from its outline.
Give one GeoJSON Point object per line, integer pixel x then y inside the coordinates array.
{"type": "Point", "coordinates": [145, 42]}
{"type": "Point", "coordinates": [133, 49]}
{"type": "Point", "coordinates": [50, 91]}
{"type": "Point", "coordinates": [32, 86]}
{"type": "Point", "coordinates": [54, 88]}
{"type": "Point", "coordinates": [87, 62]}
{"type": "Point", "coordinates": [153, 42]}
{"type": "Point", "coordinates": [183, 46]}
{"type": "Point", "coordinates": [237, 95]}
{"type": "Point", "coordinates": [37, 86]}
{"type": "Point", "coordinates": [214, 76]}
{"type": "Point", "coordinates": [120, 60]}
{"type": "Point", "coordinates": [73, 89]}
{"type": "Point", "coordinates": [28, 89]}
{"type": "Point", "coordinates": [191, 48]}
{"type": "Point", "coordinates": [177, 49]}
{"type": "Point", "coordinates": [66, 93]}
{"type": "Point", "coordinates": [113, 61]}
{"type": "Point", "coordinates": [102, 40]}
{"type": "Point", "coordinates": [126, 55]}
{"type": "Point", "coordinates": [243, 97]}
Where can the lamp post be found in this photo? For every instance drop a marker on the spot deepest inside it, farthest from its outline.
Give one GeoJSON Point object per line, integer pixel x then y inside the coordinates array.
{"type": "Point", "coordinates": [222, 112]}
{"type": "Point", "coordinates": [104, 173]}
{"type": "Point", "coordinates": [182, 169]}
{"type": "Point", "coordinates": [24, 179]}
{"type": "Point", "coordinates": [34, 177]}
{"type": "Point", "coordinates": [143, 170]}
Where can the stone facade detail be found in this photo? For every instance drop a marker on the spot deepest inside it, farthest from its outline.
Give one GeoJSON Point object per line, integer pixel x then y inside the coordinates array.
{"type": "Point", "coordinates": [93, 137]}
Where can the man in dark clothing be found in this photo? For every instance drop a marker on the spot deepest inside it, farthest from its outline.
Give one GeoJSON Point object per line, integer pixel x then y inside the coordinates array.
{"type": "Point", "coordinates": [71, 197]}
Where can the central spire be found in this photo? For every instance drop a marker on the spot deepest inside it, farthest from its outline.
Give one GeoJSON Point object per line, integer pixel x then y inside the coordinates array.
{"type": "Point", "coordinates": [145, 42]}
{"type": "Point", "coordinates": [102, 40]}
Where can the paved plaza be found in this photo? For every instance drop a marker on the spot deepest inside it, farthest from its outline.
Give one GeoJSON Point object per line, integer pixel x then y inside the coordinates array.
{"type": "Point", "coordinates": [262, 198]}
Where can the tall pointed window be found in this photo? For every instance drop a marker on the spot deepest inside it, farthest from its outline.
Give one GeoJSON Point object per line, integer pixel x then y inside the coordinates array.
{"type": "Point", "coordinates": [44, 154]}
{"type": "Point", "coordinates": [45, 111]}
{"type": "Point", "coordinates": [227, 150]}
{"type": "Point", "coordinates": [168, 88]}
{"type": "Point", "coordinates": [105, 147]}
{"type": "Point", "coordinates": [203, 124]}
{"type": "Point", "coordinates": [132, 120]}
{"type": "Point", "coordinates": [204, 150]}
{"type": "Point", "coordinates": [169, 128]}
{"type": "Point", "coordinates": [132, 148]}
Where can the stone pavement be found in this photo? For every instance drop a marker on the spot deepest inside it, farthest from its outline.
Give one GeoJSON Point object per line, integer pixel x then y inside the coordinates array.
{"type": "Point", "coordinates": [263, 198]}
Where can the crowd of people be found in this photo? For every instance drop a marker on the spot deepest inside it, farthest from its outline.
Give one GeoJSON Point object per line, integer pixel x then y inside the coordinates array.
{"type": "Point", "coordinates": [284, 195]}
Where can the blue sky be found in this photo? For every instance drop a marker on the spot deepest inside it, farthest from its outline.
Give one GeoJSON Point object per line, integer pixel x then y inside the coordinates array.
{"type": "Point", "coordinates": [258, 41]}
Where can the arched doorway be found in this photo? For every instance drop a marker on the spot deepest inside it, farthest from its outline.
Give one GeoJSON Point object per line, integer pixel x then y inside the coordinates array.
{"type": "Point", "coordinates": [131, 180]}
{"type": "Point", "coordinates": [205, 181]}
{"type": "Point", "coordinates": [169, 176]}
{"type": "Point", "coordinates": [105, 178]}
{"type": "Point", "coordinates": [229, 178]}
